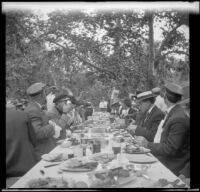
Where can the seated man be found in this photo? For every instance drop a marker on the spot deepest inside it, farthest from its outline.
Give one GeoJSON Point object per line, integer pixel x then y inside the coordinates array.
{"type": "Point", "coordinates": [20, 144]}
{"type": "Point", "coordinates": [58, 114]}
{"type": "Point", "coordinates": [43, 130]}
{"type": "Point", "coordinates": [128, 112]}
{"type": "Point", "coordinates": [88, 110]}
{"type": "Point", "coordinates": [171, 142]}
{"type": "Point", "coordinates": [149, 122]}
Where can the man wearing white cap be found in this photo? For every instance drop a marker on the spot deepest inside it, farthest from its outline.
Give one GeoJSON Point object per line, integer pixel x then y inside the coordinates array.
{"type": "Point", "coordinates": [171, 142]}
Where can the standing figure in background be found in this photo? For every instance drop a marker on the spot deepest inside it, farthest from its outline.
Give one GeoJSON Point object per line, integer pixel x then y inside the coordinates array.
{"type": "Point", "coordinates": [43, 130]}
{"type": "Point", "coordinates": [103, 105]}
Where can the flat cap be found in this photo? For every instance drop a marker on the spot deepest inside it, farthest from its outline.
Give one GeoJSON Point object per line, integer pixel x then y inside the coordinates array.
{"type": "Point", "coordinates": [173, 88]}
{"type": "Point", "coordinates": [35, 89]}
{"type": "Point", "coordinates": [184, 101]}
{"type": "Point", "coordinates": [60, 97]}
{"type": "Point", "coordinates": [145, 95]}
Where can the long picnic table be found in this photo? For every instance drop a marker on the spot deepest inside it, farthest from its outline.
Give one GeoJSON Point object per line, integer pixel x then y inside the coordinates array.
{"type": "Point", "coordinates": [156, 171]}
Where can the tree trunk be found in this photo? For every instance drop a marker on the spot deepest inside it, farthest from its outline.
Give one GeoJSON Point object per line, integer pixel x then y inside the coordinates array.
{"type": "Point", "coordinates": [151, 43]}
{"type": "Point", "coordinates": [151, 72]}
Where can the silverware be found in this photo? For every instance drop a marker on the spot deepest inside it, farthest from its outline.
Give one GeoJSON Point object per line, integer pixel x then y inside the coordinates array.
{"type": "Point", "coordinates": [51, 165]}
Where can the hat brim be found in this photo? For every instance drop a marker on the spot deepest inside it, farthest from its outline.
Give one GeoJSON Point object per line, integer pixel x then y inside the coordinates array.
{"type": "Point", "coordinates": [146, 98]}
{"type": "Point", "coordinates": [115, 103]}
{"type": "Point", "coordinates": [185, 101]}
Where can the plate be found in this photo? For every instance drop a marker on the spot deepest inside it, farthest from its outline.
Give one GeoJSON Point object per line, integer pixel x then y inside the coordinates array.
{"type": "Point", "coordinates": [103, 157]}
{"type": "Point", "coordinates": [141, 159]}
{"type": "Point", "coordinates": [54, 157]}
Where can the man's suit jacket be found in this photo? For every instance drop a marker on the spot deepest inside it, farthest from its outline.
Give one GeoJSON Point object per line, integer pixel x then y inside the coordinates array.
{"type": "Point", "coordinates": [149, 124]}
{"type": "Point", "coordinates": [43, 130]}
{"type": "Point", "coordinates": [20, 143]}
{"type": "Point", "coordinates": [174, 147]}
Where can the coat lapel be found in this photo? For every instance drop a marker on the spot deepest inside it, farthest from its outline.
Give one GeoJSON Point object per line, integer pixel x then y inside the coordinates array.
{"type": "Point", "coordinates": [170, 114]}
{"type": "Point", "coordinates": [150, 115]}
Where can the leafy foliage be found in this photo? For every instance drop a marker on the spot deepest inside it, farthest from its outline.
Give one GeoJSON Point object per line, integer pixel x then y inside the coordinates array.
{"type": "Point", "coordinates": [92, 52]}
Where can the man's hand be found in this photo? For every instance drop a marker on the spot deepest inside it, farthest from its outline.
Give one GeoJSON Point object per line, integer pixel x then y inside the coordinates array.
{"type": "Point", "coordinates": [132, 128]}
{"type": "Point", "coordinates": [141, 141]}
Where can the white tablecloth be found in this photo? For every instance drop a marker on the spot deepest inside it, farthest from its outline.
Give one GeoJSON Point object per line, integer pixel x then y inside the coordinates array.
{"type": "Point", "coordinates": [155, 172]}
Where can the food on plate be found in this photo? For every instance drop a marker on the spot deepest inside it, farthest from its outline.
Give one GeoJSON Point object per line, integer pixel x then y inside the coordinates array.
{"type": "Point", "coordinates": [131, 148]}
{"type": "Point", "coordinates": [103, 157]}
{"type": "Point", "coordinates": [66, 144]}
{"type": "Point", "coordinates": [47, 182]}
{"type": "Point", "coordinates": [79, 165]}
{"type": "Point", "coordinates": [54, 157]}
{"type": "Point", "coordinates": [112, 177]}
{"type": "Point", "coordinates": [81, 184]}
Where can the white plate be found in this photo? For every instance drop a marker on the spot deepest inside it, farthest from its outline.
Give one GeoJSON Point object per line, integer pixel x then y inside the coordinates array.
{"type": "Point", "coordinates": [52, 157]}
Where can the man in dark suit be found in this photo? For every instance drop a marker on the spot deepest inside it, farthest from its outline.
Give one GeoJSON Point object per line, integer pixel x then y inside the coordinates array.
{"type": "Point", "coordinates": [130, 112]}
{"type": "Point", "coordinates": [43, 130]}
{"type": "Point", "coordinates": [148, 125]}
{"type": "Point", "coordinates": [20, 144]}
{"type": "Point", "coordinates": [171, 143]}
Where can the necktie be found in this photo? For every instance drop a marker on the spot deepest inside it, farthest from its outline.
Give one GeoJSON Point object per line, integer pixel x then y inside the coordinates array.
{"type": "Point", "coordinates": [147, 116]}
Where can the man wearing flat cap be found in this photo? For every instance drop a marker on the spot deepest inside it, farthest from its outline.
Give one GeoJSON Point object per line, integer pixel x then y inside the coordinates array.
{"type": "Point", "coordinates": [171, 142]}
{"type": "Point", "coordinates": [148, 125]}
{"type": "Point", "coordinates": [43, 130]}
{"type": "Point", "coordinates": [59, 113]}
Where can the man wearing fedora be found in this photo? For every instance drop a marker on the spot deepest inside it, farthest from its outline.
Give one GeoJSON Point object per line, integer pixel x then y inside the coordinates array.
{"type": "Point", "coordinates": [148, 125]}
{"type": "Point", "coordinates": [171, 142]}
{"type": "Point", "coordinates": [43, 130]}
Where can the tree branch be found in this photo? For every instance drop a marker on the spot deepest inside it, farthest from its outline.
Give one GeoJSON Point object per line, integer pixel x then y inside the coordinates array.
{"type": "Point", "coordinates": [165, 40]}
{"type": "Point", "coordinates": [85, 61]}
{"type": "Point", "coordinates": [177, 51]}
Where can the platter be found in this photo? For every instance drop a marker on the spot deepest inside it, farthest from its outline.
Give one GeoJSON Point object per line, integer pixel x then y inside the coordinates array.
{"type": "Point", "coordinates": [78, 165]}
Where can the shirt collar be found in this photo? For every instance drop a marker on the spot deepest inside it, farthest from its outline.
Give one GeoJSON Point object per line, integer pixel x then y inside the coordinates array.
{"type": "Point", "coordinates": [170, 108]}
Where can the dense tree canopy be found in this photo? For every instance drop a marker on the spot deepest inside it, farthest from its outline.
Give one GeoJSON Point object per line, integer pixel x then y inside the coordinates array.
{"type": "Point", "coordinates": [95, 51]}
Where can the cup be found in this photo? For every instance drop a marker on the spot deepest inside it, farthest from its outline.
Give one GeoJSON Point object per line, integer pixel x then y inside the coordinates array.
{"type": "Point", "coordinates": [116, 147]}
{"type": "Point", "coordinates": [70, 154]}
{"type": "Point", "coordinates": [96, 147]}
